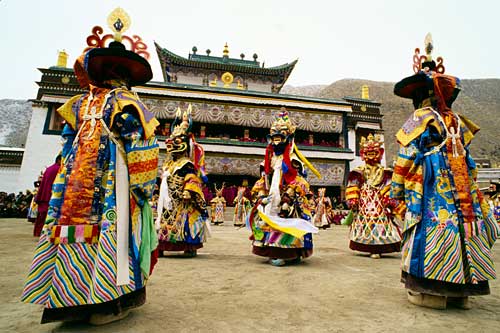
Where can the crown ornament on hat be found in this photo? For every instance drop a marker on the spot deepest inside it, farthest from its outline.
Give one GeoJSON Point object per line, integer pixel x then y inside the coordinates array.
{"type": "Point", "coordinates": [425, 62]}
{"type": "Point", "coordinates": [182, 123]}
{"type": "Point", "coordinates": [371, 141]}
{"type": "Point", "coordinates": [282, 123]}
{"type": "Point", "coordinates": [118, 21]}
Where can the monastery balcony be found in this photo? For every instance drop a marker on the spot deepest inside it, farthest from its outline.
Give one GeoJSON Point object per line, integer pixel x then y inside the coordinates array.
{"type": "Point", "coordinates": [235, 146]}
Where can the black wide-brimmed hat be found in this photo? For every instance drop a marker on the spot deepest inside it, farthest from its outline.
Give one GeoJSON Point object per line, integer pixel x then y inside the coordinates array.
{"type": "Point", "coordinates": [116, 62]}
{"type": "Point", "coordinates": [416, 84]}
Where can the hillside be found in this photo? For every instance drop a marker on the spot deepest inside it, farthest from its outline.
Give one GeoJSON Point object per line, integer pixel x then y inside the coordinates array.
{"type": "Point", "coordinates": [311, 90]}
{"type": "Point", "coordinates": [479, 101]}
{"type": "Point", "coordinates": [14, 122]}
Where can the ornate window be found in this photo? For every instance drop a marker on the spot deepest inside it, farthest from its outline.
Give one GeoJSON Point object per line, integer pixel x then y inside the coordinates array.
{"type": "Point", "coordinates": [54, 123]}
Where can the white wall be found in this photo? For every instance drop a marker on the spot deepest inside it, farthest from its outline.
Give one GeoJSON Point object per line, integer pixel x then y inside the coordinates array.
{"type": "Point", "coordinates": [9, 176]}
{"type": "Point", "coordinates": [40, 150]}
{"type": "Point", "coordinates": [351, 136]}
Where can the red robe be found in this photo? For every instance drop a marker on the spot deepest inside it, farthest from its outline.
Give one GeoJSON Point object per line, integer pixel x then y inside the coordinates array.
{"type": "Point", "coordinates": [43, 197]}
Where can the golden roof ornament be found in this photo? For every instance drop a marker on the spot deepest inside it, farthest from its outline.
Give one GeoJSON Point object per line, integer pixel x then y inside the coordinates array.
{"type": "Point", "coordinates": [62, 59]}
{"type": "Point", "coordinates": [225, 53]}
{"type": "Point", "coordinates": [365, 91]}
{"type": "Point", "coordinates": [227, 78]}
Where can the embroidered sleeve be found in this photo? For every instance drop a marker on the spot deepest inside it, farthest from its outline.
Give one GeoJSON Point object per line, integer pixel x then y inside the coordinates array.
{"type": "Point", "coordinates": [404, 171]}
{"type": "Point", "coordinates": [142, 157]}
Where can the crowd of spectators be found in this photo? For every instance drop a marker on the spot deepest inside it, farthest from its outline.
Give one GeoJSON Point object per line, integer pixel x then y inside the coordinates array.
{"type": "Point", "coordinates": [15, 205]}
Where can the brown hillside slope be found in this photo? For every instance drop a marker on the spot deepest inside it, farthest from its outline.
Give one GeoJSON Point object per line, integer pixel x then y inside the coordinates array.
{"type": "Point", "coordinates": [479, 101]}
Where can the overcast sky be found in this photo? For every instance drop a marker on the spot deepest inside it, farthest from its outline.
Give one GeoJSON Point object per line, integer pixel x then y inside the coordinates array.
{"type": "Point", "coordinates": [365, 39]}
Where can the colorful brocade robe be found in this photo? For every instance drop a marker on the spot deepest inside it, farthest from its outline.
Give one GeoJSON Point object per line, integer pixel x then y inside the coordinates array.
{"type": "Point", "coordinates": [242, 208]}
{"type": "Point", "coordinates": [218, 208]}
{"type": "Point", "coordinates": [372, 223]}
{"type": "Point", "coordinates": [75, 262]}
{"type": "Point", "coordinates": [271, 231]}
{"type": "Point", "coordinates": [448, 228]}
{"type": "Point", "coordinates": [183, 221]}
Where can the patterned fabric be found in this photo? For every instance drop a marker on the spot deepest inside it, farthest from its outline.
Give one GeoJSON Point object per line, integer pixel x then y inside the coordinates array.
{"type": "Point", "coordinates": [75, 260]}
{"type": "Point", "coordinates": [218, 208]}
{"type": "Point", "coordinates": [323, 213]}
{"type": "Point", "coordinates": [372, 223]}
{"type": "Point", "coordinates": [69, 234]}
{"type": "Point", "coordinates": [184, 221]}
{"type": "Point", "coordinates": [448, 229]}
{"type": "Point", "coordinates": [242, 208]}
{"type": "Point", "coordinates": [263, 235]}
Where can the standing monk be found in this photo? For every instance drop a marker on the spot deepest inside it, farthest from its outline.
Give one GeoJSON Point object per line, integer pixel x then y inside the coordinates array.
{"type": "Point", "coordinates": [43, 195]}
{"type": "Point", "coordinates": [448, 228]}
{"type": "Point", "coordinates": [93, 258]}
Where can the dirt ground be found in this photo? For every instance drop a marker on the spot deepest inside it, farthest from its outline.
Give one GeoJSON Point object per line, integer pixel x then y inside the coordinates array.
{"type": "Point", "coordinates": [227, 289]}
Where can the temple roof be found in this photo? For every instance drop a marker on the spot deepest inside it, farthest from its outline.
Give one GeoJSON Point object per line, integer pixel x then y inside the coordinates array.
{"type": "Point", "coordinates": [226, 64]}
{"type": "Point", "coordinates": [362, 100]}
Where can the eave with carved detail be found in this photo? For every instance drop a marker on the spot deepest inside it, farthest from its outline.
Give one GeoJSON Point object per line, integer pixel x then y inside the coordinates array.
{"type": "Point", "coordinates": [58, 80]}
{"type": "Point", "coordinates": [363, 110]}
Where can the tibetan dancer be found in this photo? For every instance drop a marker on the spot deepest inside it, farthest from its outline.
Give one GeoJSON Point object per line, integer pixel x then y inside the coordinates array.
{"type": "Point", "coordinates": [242, 207]}
{"type": "Point", "coordinates": [492, 195]}
{"type": "Point", "coordinates": [94, 256]}
{"type": "Point", "coordinates": [280, 221]}
{"type": "Point", "coordinates": [218, 205]}
{"type": "Point", "coordinates": [323, 215]}
{"type": "Point", "coordinates": [367, 194]}
{"type": "Point", "coordinates": [448, 228]}
{"type": "Point", "coordinates": [33, 210]}
{"type": "Point", "coordinates": [182, 211]}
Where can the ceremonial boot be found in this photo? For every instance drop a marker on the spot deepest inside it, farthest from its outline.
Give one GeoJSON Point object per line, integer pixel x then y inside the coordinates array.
{"type": "Point", "coordinates": [277, 262]}
{"type": "Point", "coordinates": [375, 256]}
{"type": "Point", "coordinates": [426, 300]}
{"type": "Point", "coordinates": [103, 319]}
{"type": "Point", "coordinates": [189, 254]}
{"type": "Point", "coordinates": [460, 302]}
{"type": "Point", "coordinates": [294, 261]}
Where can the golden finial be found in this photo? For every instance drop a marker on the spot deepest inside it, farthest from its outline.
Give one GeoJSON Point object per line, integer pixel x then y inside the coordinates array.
{"type": "Point", "coordinates": [119, 22]}
{"type": "Point", "coordinates": [225, 53]}
{"type": "Point", "coordinates": [365, 92]}
{"type": "Point", "coordinates": [62, 59]}
{"type": "Point", "coordinates": [429, 46]}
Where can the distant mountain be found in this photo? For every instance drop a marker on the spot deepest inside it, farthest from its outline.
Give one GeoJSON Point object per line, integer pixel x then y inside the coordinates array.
{"type": "Point", "coordinates": [479, 100]}
{"type": "Point", "coordinates": [311, 90]}
{"type": "Point", "coordinates": [15, 117]}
